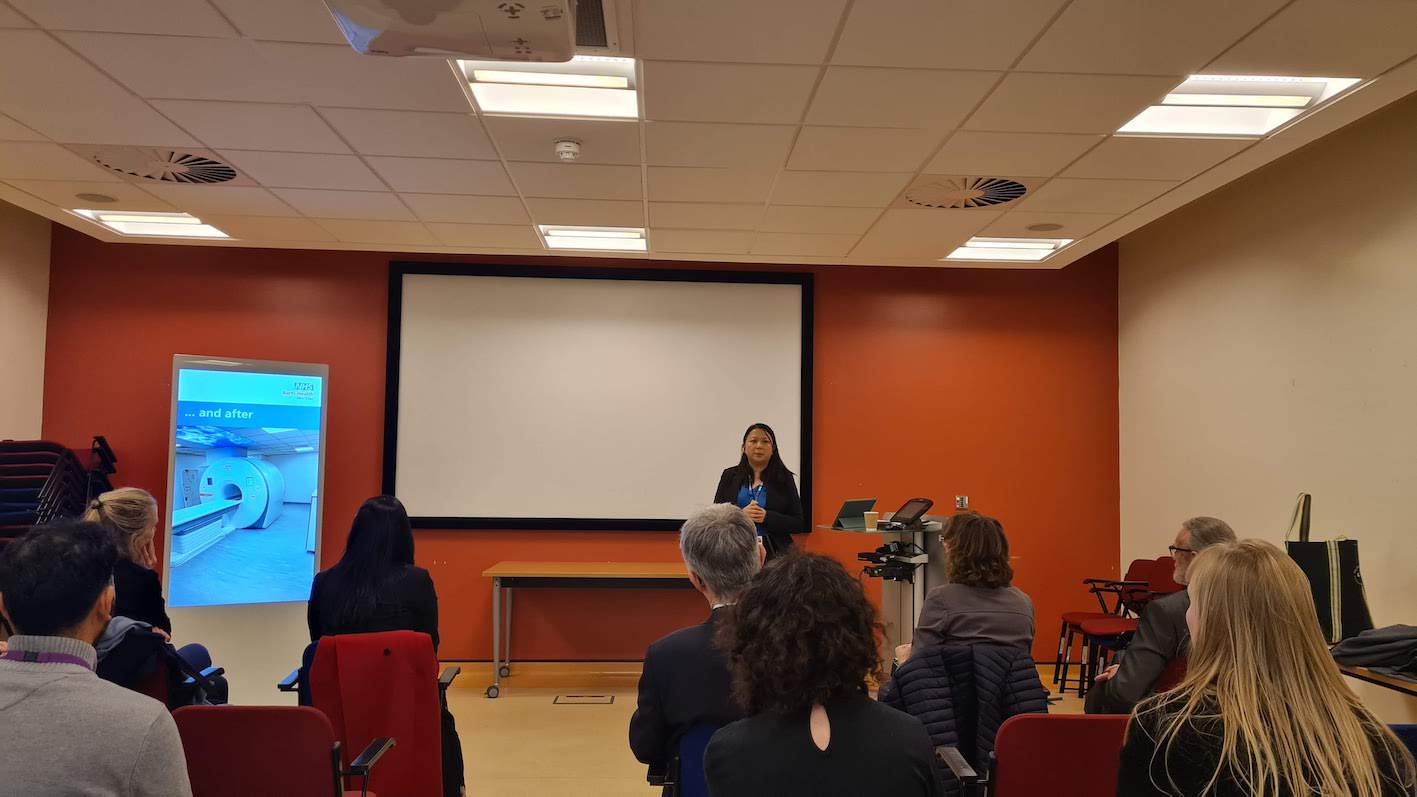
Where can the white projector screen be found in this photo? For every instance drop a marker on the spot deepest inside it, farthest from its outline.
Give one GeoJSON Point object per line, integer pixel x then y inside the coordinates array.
{"type": "Point", "coordinates": [587, 399]}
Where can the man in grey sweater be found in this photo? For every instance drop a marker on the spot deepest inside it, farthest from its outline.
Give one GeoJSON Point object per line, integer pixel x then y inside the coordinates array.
{"type": "Point", "coordinates": [62, 730]}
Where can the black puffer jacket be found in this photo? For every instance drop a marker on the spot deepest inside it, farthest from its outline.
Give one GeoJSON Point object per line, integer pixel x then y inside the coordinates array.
{"type": "Point", "coordinates": [963, 693]}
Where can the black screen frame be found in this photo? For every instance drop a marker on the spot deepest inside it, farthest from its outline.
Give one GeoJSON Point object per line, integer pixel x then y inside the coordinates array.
{"type": "Point", "coordinates": [399, 269]}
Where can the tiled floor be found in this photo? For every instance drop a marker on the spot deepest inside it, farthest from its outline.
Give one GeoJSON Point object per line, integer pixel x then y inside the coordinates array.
{"type": "Point", "coordinates": [250, 565]}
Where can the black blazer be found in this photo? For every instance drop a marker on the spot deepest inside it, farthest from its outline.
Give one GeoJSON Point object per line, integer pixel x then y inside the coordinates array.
{"type": "Point", "coordinates": [1161, 636]}
{"type": "Point", "coordinates": [685, 683]}
{"type": "Point", "coordinates": [784, 508]}
{"type": "Point", "coordinates": [137, 595]}
{"type": "Point", "coordinates": [407, 602]}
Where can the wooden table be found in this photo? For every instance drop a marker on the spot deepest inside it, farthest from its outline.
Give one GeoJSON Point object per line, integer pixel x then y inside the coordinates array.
{"type": "Point", "coordinates": [507, 576]}
{"type": "Point", "coordinates": [1385, 681]}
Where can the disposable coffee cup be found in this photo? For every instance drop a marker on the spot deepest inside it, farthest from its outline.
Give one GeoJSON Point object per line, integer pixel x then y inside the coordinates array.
{"type": "Point", "coordinates": [871, 518]}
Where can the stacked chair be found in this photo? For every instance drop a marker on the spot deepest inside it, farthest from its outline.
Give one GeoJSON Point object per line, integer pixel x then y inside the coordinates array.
{"type": "Point", "coordinates": [41, 481]}
{"type": "Point", "coordinates": [1104, 632]}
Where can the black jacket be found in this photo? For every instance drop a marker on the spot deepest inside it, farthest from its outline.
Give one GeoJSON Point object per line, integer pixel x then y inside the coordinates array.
{"type": "Point", "coordinates": [137, 595]}
{"type": "Point", "coordinates": [1161, 636]}
{"type": "Point", "coordinates": [407, 602]}
{"type": "Point", "coordinates": [685, 683]}
{"type": "Point", "coordinates": [784, 508]}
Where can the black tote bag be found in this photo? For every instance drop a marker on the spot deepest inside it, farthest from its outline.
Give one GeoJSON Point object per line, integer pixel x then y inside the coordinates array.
{"type": "Point", "coordinates": [1334, 576]}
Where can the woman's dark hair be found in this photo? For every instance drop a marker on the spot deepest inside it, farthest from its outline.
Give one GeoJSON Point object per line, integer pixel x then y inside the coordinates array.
{"type": "Point", "coordinates": [801, 633]}
{"type": "Point", "coordinates": [380, 542]}
{"type": "Point", "coordinates": [776, 471]}
{"type": "Point", "coordinates": [979, 551]}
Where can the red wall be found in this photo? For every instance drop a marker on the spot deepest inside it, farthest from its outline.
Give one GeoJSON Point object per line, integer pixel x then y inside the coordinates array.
{"type": "Point", "coordinates": [1000, 385]}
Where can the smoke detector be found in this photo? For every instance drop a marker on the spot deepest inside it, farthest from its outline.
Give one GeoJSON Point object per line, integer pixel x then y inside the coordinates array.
{"type": "Point", "coordinates": [568, 149]}
{"type": "Point", "coordinates": [961, 192]}
{"type": "Point", "coordinates": [163, 165]}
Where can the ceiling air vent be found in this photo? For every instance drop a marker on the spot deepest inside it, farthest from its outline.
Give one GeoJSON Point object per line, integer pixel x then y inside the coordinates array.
{"type": "Point", "coordinates": [164, 165]}
{"type": "Point", "coordinates": [964, 192]}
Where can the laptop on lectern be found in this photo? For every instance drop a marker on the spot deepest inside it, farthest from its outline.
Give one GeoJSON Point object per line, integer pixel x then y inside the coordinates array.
{"type": "Point", "coordinates": [851, 516]}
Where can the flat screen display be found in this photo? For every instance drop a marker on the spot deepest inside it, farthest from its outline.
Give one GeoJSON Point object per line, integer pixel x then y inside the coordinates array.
{"type": "Point", "coordinates": [246, 466]}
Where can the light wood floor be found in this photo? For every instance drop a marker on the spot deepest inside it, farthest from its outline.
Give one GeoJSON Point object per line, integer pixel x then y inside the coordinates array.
{"type": "Point", "coordinates": [523, 744]}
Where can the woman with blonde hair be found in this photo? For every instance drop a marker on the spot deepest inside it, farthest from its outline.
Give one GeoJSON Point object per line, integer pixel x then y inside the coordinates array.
{"type": "Point", "coordinates": [1263, 709]}
{"type": "Point", "coordinates": [130, 515]}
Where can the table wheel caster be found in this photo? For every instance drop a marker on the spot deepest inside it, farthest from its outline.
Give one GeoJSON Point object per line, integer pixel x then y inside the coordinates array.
{"type": "Point", "coordinates": [493, 691]}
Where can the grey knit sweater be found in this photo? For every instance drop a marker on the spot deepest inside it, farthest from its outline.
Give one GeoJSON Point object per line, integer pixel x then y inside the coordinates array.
{"type": "Point", "coordinates": [65, 732]}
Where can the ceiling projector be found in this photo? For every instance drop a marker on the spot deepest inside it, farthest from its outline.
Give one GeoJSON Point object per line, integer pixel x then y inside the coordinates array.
{"type": "Point", "coordinates": [508, 30]}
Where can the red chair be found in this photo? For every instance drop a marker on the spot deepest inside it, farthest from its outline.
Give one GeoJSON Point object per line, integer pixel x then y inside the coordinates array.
{"type": "Point", "coordinates": [1127, 596]}
{"type": "Point", "coordinates": [1110, 634]}
{"type": "Point", "coordinates": [239, 751]}
{"type": "Point", "coordinates": [385, 684]}
{"type": "Point", "coordinates": [1058, 754]}
{"type": "Point", "coordinates": [1162, 580]}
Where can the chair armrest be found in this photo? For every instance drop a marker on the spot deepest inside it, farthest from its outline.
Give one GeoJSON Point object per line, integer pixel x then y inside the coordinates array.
{"type": "Point", "coordinates": [655, 778]}
{"type": "Point", "coordinates": [289, 682]}
{"type": "Point", "coordinates": [371, 754]}
{"type": "Point", "coordinates": [207, 673]}
{"type": "Point", "coordinates": [951, 757]}
{"type": "Point", "coordinates": [445, 678]}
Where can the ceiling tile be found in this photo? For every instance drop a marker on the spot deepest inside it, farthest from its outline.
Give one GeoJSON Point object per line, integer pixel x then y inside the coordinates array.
{"type": "Point", "coordinates": [266, 228]}
{"type": "Point", "coordinates": [921, 234]}
{"type": "Point", "coordinates": [610, 141]}
{"type": "Point", "coordinates": [717, 242]}
{"type": "Point", "coordinates": [684, 184]}
{"type": "Point", "coordinates": [748, 31]}
{"type": "Point", "coordinates": [876, 97]}
{"type": "Point", "coordinates": [45, 161]}
{"type": "Point", "coordinates": [469, 209]}
{"type": "Point", "coordinates": [960, 34]}
{"type": "Point", "coordinates": [862, 149]}
{"type": "Point", "coordinates": [1124, 37]}
{"type": "Point", "coordinates": [411, 133]}
{"type": "Point", "coordinates": [62, 193]}
{"type": "Point", "coordinates": [704, 215]}
{"type": "Point", "coordinates": [283, 20]}
{"type": "Point", "coordinates": [398, 233]}
{"type": "Point", "coordinates": [211, 69]}
{"type": "Point", "coordinates": [11, 130]}
{"type": "Point", "coordinates": [94, 109]}
{"type": "Point", "coordinates": [1067, 103]}
{"type": "Point", "coordinates": [786, 243]}
{"type": "Point", "coordinates": [345, 204]}
{"type": "Point", "coordinates": [304, 170]}
{"type": "Point", "coordinates": [10, 19]}
{"type": "Point", "coordinates": [499, 236]}
{"type": "Point", "coordinates": [726, 92]}
{"type": "Point", "coordinates": [587, 212]}
{"type": "Point", "coordinates": [337, 76]}
{"type": "Point", "coordinates": [249, 125]}
{"type": "Point", "coordinates": [838, 188]}
{"type": "Point", "coordinates": [166, 17]}
{"type": "Point", "coordinates": [797, 218]}
{"type": "Point", "coordinates": [1094, 196]}
{"type": "Point", "coordinates": [1155, 158]}
{"type": "Point", "coordinates": [729, 146]}
{"type": "Point", "coordinates": [439, 176]}
{"type": "Point", "coordinates": [223, 200]}
{"type": "Point", "coordinates": [577, 181]}
{"type": "Point", "coordinates": [1009, 154]}
{"type": "Point", "coordinates": [1015, 224]}
{"type": "Point", "coordinates": [1326, 38]}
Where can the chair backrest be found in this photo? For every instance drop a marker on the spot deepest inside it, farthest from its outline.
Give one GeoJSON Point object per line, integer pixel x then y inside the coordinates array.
{"type": "Point", "coordinates": [1171, 675]}
{"type": "Point", "coordinates": [1161, 579]}
{"type": "Point", "coordinates": [1135, 598]}
{"type": "Point", "coordinates": [1036, 752]}
{"type": "Point", "coordinates": [692, 746]}
{"type": "Point", "coordinates": [1407, 734]}
{"type": "Point", "coordinates": [238, 751]}
{"type": "Point", "coordinates": [384, 684]}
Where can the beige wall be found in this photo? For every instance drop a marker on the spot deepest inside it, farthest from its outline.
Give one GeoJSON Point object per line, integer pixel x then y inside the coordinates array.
{"type": "Point", "coordinates": [1268, 344]}
{"type": "Point", "coordinates": [24, 306]}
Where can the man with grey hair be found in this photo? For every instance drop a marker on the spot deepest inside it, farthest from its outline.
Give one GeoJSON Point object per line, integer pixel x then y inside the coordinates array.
{"type": "Point", "coordinates": [685, 681]}
{"type": "Point", "coordinates": [1162, 636]}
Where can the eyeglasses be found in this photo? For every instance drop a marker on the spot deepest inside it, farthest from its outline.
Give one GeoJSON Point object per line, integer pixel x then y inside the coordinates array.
{"type": "Point", "coordinates": [1174, 550]}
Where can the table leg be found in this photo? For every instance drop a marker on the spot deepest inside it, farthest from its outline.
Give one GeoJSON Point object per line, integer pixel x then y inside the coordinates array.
{"type": "Point", "coordinates": [496, 687]}
{"type": "Point", "coordinates": [506, 669]}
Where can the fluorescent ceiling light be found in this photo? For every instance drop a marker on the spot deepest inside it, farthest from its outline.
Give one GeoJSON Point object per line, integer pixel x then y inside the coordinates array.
{"type": "Point", "coordinates": [619, 239]}
{"type": "Point", "coordinates": [1011, 249]}
{"type": "Point", "coordinates": [159, 225]}
{"type": "Point", "coordinates": [304, 449]}
{"type": "Point", "coordinates": [275, 429]}
{"type": "Point", "coordinates": [1235, 105]}
{"type": "Point", "coordinates": [586, 85]}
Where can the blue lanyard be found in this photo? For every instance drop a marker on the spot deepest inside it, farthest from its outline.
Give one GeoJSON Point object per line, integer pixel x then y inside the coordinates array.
{"type": "Point", "coordinates": [756, 493]}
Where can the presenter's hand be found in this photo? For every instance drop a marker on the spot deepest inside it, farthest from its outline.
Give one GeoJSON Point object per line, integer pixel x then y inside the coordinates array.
{"type": "Point", "coordinates": [754, 512]}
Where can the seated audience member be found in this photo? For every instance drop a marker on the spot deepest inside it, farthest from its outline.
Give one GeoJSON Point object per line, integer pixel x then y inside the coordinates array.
{"type": "Point", "coordinates": [1162, 635]}
{"type": "Point", "coordinates": [801, 643]}
{"type": "Point", "coordinates": [978, 604]}
{"type": "Point", "coordinates": [1263, 709]}
{"type": "Point", "coordinates": [62, 730]}
{"type": "Point", "coordinates": [375, 586]}
{"type": "Point", "coordinates": [130, 515]}
{"type": "Point", "coordinates": [685, 680]}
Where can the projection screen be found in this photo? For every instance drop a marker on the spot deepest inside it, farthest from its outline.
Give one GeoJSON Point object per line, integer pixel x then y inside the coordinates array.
{"type": "Point", "coordinates": [596, 399]}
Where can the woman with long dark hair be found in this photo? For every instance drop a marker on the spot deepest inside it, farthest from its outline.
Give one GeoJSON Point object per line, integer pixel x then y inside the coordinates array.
{"type": "Point", "coordinates": [762, 486]}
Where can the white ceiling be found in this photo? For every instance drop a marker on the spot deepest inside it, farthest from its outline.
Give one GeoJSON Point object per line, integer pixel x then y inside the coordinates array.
{"type": "Point", "coordinates": [772, 132]}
